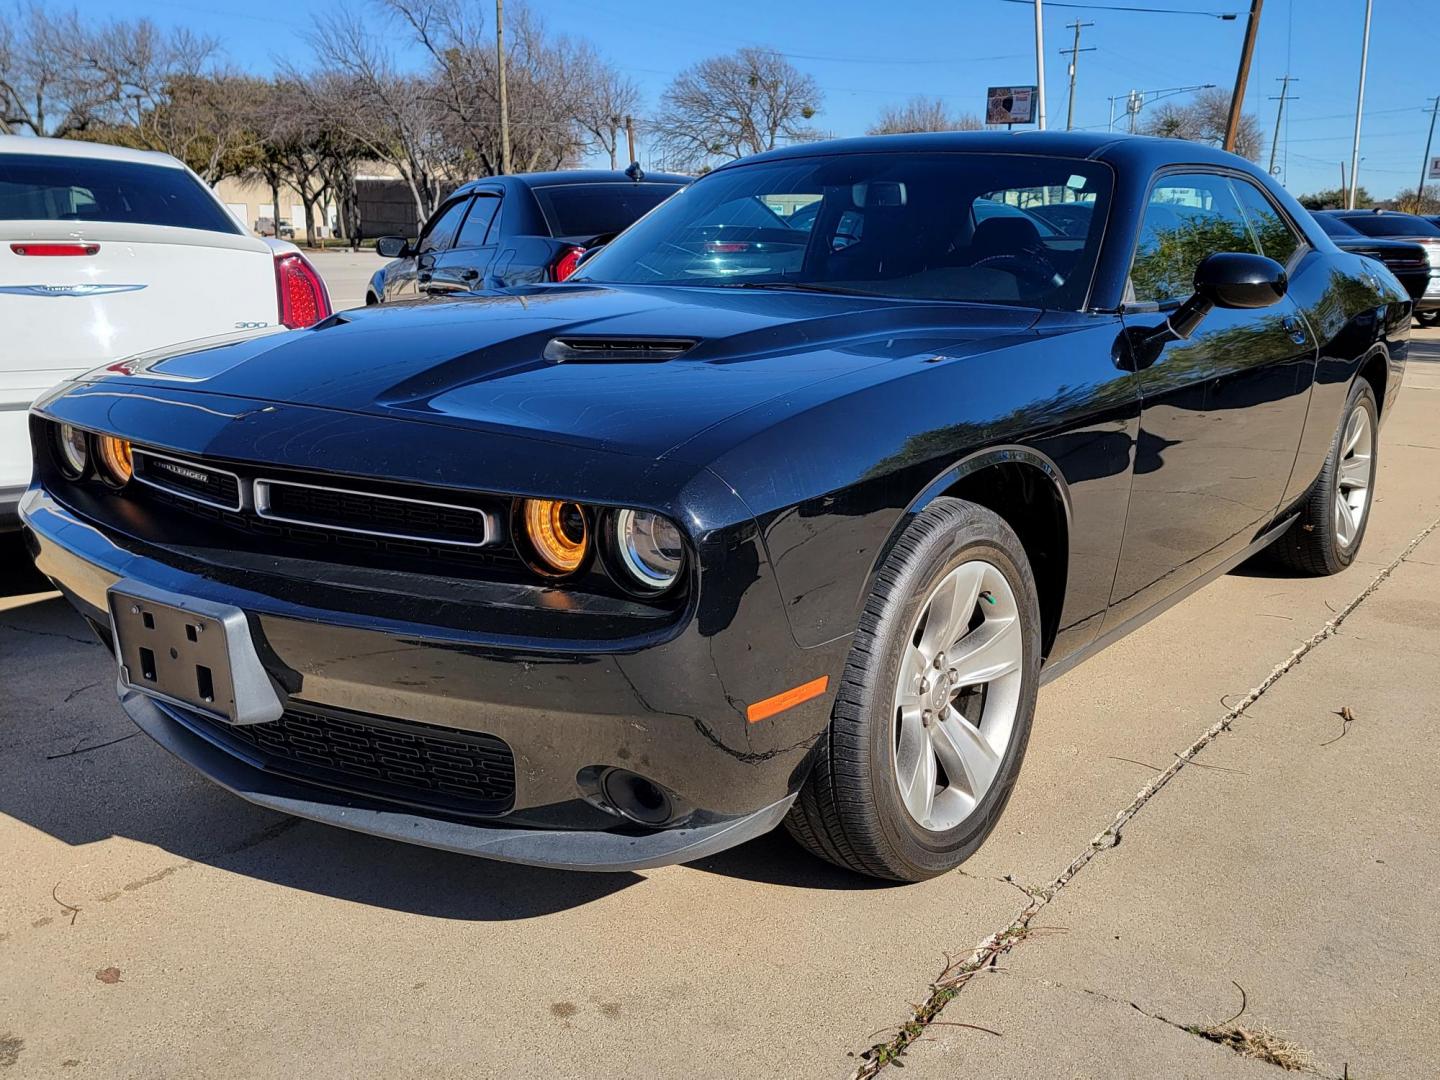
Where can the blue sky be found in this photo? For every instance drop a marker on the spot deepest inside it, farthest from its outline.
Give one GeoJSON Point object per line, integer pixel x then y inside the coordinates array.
{"type": "Point", "coordinates": [865, 55]}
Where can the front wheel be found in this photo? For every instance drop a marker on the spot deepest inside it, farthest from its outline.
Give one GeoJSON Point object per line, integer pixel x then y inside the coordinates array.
{"type": "Point", "coordinates": [1326, 537]}
{"type": "Point", "coordinates": [935, 705]}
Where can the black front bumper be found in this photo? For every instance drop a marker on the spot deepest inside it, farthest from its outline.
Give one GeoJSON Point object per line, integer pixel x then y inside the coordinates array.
{"type": "Point", "coordinates": [671, 709]}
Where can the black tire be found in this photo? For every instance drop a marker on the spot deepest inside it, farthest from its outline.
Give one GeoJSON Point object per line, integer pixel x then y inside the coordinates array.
{"type": "Point", "coordinates": [1312, 545]}
{"type": "Point", "coordinates": [850, 810]}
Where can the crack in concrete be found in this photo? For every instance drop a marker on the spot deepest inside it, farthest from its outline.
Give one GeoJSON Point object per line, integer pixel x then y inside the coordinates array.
{"type": "Point", "coordinates": [987, 953]}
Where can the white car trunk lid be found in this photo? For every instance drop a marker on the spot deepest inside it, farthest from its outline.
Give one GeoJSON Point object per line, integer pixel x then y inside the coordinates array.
{"type": "Point", "coordinates": [133, 289]}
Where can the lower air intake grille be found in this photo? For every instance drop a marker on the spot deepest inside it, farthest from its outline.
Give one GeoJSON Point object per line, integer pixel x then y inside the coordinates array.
{"type": "Point", "coordinates": [373, 515]}
{"type": "Point", "coordinates": [455, 772]}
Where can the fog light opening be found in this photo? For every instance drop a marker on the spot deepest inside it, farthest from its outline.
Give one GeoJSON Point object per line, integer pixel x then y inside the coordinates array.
{"type": "Point", "coordinates": [636, 798]}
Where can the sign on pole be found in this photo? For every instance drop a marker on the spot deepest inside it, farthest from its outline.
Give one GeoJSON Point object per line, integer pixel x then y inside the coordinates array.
{"type": "Point", "coordinates": [1010, 105]}
{"type": "Point", "coordinates": [1434, 173]}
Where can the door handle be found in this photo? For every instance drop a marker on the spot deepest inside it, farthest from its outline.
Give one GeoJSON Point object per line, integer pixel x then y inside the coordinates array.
{"type": "Point", "coordinates": [469, 275]}
{"type": "Point", "coordinates": [1295, 327]}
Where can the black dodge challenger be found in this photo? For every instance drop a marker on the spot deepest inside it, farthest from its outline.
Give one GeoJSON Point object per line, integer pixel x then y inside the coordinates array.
{"type": "Point", "coordinates": [782, 508]}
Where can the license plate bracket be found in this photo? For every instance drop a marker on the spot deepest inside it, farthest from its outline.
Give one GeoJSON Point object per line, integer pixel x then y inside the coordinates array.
{"type": "Point", "coordinates": [190, 652]}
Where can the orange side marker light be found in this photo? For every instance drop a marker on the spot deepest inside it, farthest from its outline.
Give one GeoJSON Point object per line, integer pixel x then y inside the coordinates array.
{"type": "Point", "coordinates": [763, 710]}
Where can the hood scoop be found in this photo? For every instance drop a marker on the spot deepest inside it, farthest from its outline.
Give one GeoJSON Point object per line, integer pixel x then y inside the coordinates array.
{"type": "Point", "coordinates": [603, 349]}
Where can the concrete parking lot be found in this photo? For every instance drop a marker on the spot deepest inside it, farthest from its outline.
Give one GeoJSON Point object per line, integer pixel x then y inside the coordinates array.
{"type": "Point", "coordinates": [1223, 843]}
{"type": "Point", "coordinates": [346, 274]}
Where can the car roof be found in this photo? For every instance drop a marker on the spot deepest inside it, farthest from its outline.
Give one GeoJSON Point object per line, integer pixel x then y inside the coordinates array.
{"type": "Point", "coordinates": [1141, 150]}
{"type": "Point", "coordinates": [572, 177]}
{"type": "Point", "coordinates": [77, 148]}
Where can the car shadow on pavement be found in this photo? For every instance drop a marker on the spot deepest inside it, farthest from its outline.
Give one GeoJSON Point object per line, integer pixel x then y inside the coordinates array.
{"type": "Point", "coordinates": [74, 767]}
{"type": "Point", "coordinates": [18, 575]}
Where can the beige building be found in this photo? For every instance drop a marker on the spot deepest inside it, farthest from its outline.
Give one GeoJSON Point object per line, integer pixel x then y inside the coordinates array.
{"type": "Point", "coordinates": [250, 201]}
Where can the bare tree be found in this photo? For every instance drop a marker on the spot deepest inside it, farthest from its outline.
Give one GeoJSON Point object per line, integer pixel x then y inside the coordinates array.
{"type": "Point", "coordinates": [730, 106]}
{"type": "Point", "coordinates": [397, 117]}
{"type": "Point", "coordinates": [1203, 119]}
{"type": "Point", "coordinates": [922, 114]}
{"type": "Point", "coordinates": [606, 98]}
{"type": "Point", "coordinates": [59, 76]}
{"type": "Point", "coordinates": [548, 79]}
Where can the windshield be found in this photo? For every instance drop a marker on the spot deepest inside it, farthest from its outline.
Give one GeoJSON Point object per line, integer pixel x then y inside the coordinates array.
{"type": "Point", "coordinates": [598, 209]}
{"type": "Point", "coordinates": [1334, 226]}
{"type": "Point", "coordinates": [38, 187]}
{"type": "Point", "coordinates": [1002, 228]}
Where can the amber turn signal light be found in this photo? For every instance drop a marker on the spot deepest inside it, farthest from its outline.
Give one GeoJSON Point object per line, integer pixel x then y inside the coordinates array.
{"type": "Point", "coordinates": [557, 533]}
{"type": "Point", "coordinates": [116, 464]}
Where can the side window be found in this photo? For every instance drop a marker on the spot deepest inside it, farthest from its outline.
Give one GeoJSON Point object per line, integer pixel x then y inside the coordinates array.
{"type": "Point", "coordinates": [477, 224]}
{"type": "Point", "coordinates": [1189, 216]}
{"type": "Point", "coordinates": [1275, 235]}
{"type": "Point", "coordinates": [440, 229]}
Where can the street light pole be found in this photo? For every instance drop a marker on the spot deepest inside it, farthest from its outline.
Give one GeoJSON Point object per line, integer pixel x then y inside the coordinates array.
{"type": "Point", "coordinates": [1359, 112]}
{"type": "Point", "coordinates": [1237, 99]}
{"type": "Point", "coordinates": [1074, 54]}
{"type": "Point", "coordinates": [1040, 64]}
{"type": "Point", "coordinates": [1285, 81]}
{"type": "Point", "coordinates": [504, 100]}
{"type": "Point", "coordinates": [1425, 161]}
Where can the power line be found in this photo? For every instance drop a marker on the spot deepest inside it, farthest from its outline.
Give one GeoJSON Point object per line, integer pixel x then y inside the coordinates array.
{"type": "Point", "coordinates": [1228, 16]}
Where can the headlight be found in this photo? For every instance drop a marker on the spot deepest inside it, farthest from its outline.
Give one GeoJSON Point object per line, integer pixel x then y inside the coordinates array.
{"type": "Point", "coordinates": [73, 450]}
{"type": "Point", "coordinates": [649, 548]}
{"type": "Point", "coordinates": [115, 461]}
{"type": "Point", "coordinates": [557, 533]}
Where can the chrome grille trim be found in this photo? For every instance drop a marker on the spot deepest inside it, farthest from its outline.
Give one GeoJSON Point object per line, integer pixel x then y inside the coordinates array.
{"type": "Point", "coordinates": [185, 493]}
{"type": "Point", "coordinates": [490, 528]}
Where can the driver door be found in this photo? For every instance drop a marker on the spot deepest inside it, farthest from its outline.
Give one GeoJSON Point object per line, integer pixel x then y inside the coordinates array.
{"type": "Point", "coordinates": [435, 238]}
{"type": "Point", "coordinates": [1221, 412]}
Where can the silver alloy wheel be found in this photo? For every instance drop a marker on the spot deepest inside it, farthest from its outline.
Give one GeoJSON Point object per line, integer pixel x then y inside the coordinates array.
{"type": "Point", "coordinates": [1352, 483]}
{"type": "Point", "coordinates": [958, 693]}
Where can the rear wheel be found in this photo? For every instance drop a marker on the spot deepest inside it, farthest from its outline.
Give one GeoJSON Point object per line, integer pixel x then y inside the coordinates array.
{"type": "Point", "coordinates": [934, 708]}
{"type": "Point", "coordinates": [1327, 536]}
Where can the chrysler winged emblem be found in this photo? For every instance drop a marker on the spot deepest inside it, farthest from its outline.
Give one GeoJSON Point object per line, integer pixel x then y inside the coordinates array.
{"type": "Point", "coordinates": [67, 290]}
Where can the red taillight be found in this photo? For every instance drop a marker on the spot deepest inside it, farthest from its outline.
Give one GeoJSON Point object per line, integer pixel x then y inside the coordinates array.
{"type": "Point", "coordinates": [303, 299]}
{"type": "Point", "coordinates": [567, 262]}
{"type": "Point", "coordinates": [55, 249]}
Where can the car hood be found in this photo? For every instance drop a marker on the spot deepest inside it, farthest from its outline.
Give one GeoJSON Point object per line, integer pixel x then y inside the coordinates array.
{"type": "Point", "coordinates": [480, 361]}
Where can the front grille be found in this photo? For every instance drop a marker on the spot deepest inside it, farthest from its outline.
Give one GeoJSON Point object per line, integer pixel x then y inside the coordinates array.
{"type": "Point", "coordinates": [433, 768]}
{"type": "Point", "coordinates": [373, 515]}
{"type": "Point", "coordinates": [188, 479]}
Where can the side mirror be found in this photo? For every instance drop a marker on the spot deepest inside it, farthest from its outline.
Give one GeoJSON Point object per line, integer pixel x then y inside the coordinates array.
{"type": "Point", "coordinates": [586, 255]}
{"type": "Point", "coordinates": [1229, 279]}
{"type": "Point", "coordinates": [392, 247]}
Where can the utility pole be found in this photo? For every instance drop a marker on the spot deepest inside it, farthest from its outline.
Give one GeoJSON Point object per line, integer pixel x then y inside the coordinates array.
{"type": "Point", "coordinates": [1134, 102]}
{"type": "Point", "coordinates": [1040, 64]}
{"type": "Point", "coordinates": [1237, 99]}
{"type": "Point", "coordinates": [630, 139]}
{"type": "Point", "coordinates": [1359, 112]}
{"type": "Point", "coordinates": [1425, 161]}
{"type": "Point", "coordinates": [1074, 54]}
{"type": "Point", "coordinates": [1344, 188]}
{"type": "Point", "coordinates": [504, 100]}
{"type": "Point", "coordinates": [1285, 81]}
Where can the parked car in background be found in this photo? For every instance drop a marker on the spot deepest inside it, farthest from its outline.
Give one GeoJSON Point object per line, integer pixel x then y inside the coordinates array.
{"type": "Point", "coordinates": [107, 252]}
{"type": "Point", "coordinates": [515, 230]}
{"type": "Point", "coordinates": [1406, 259]}
{"type": "Point", "coordinates": [1393, 225]}
{"type": "Point", "coordinates": [629, 569]}
{"type": "Point", "coordinates": [266, 227]}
